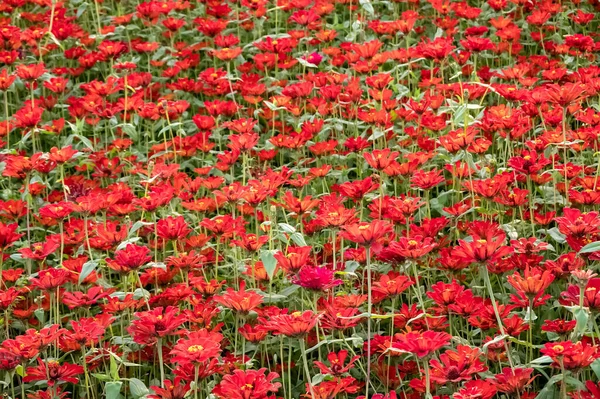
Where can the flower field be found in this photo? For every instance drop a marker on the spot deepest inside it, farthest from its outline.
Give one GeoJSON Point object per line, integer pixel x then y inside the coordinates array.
{"type": "Point", "coordinates": [310, 199]}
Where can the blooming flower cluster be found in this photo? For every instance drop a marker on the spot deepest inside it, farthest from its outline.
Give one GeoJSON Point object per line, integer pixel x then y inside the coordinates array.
{"type": "Point", "coordinates": [275, 199]}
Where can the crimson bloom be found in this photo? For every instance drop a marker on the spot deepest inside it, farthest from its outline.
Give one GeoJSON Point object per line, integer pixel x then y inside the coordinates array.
{"type": "Point", "coordinates": [172, 228]}
{"type": "Point", "coordinates": [148, 327]}
{"type": "Point", "coordinates": [381, 159]}
{"type": "Point", "coordinates": [530, 287]}
{"type": "Point", "coordinates": [487, 248]}
{"type": "Point", "coordinates": [241, 301]}
{"type": "Point", "coordinates": [176, 389]}
{"type": "Point", "coordinates": [459, 365]}
{"type": "Point", "coordinates": [422, 344]}
{"type": "Point", "coordinates": [8, 235]}
{"type": "Point", "coordinates": [248, 384]}
{"type": "Point", "coordinates": [53, 372]}
{"type": "Point", "coordinates": [40, 250]}
{"type": "Point", "coordinates": [411, 248]}
{"type": "Point", "coordinates": [337, 363]}
{"type": "Point", "coordinates": [130, 258]}
{"type": "Point", "coordinates": [296, 324]}
{"type": "Point", "coordinates": [513, 381]}
{"type": "Point", "coordinates": [197, 347]}
{"type": "Point", "coordinates": [366, 234]}
{"type": "Point", "coordinates": [316, 278]}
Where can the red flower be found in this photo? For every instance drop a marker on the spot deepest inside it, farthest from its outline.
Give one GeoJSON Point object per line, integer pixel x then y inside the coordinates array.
{"type": "Point", "coordinates": [40, 250]}
{"type": "Point", "coordinates": [571, 356]}
{"type": "Point", "coordinates": [513, 381]}
{"type": "Point", "coordinates": [171, 390]}
{"type": "Point", "coordinates": [241, 301]}
{"type": "Point", "coordinates": [476, 389]}
{"type": "Point", "coordinates": [248, 384]}
{"type": "Point", "coordinates": [381, 159]}
{"type": "Point", "coordinates": [577, 223]}
{"type": "Point", "coordinates": [131, 258]}
{"type": "Point", "coordinates": [8, 360]}
{"type": "Point", "coordinates": [50, 279]}
{"type": "Point", "coordinates": [530, 288]}
{"type": "Point", "coordinates": [253, 334]}
{"type": "Point", "coordinates": [455, 366]}
{"type": "Point", "coordinates": [148, 326]}
{"type": "Point", "coordinates": [58, 210]}
{"type": "Point", "coordinates": [336, 361]}
{"type": "Point", "coordinates": [412, 248]}
{"type": "Point", "coordinates": [53, 372]}
{"type": "Point", "coordinates": [172, 228]}
{"type": "Point", "coordinates": [197, 347]}
{"type": "Point", "coordinates": [367, 234]}
{"type": "Point", "coordinates": [297, 324]}
{"type": "Point", "coordinates": [316, 278]}
{"type": "Point", "coordinates": [294, 259]}
{"type": "Point", "coordinates": [8, 235]}
{"type": "Point", "coordinates": [487, 248]}
{"type": "Point", "coordinates": [62, 155]}
{"type": "Point", "coordinates": [421, 344]}
{"type": "Point", "coordinates": [392, 284]}
{"type": "Point", "coordinates": [332, 213]}
{"type": "Point", "coordinates": [30, 71]}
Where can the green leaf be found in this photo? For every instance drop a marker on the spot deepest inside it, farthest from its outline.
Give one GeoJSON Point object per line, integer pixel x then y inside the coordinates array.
{"type": "Point", "coordinates": [298, 239]}
{"type": "Point", "coordinates": [366, 4]}
{"type": "Point", "coordinates": [351, 266]}
{"type": "Point", "coordinates": [113, 389]}
{"type": "Point", "coordinates": [138, 388]}
{"type": "Point", "coordinates": [306, 63]}
{"type": "Point", "coordinates": [591, 247]}
{"type": "Point", "coordinates": [114, 368]}
{"type": "Point", "coordinates": [289, 290]}
{"type": "Point", "coordinates": [317, 379]}
{"type": "Point", "coordinates": [542, 360]}
{"type": "Point", "coordinates": [101, 377]}
{"type": "Point", "coordinates": [530, 315]}
{"type": "Point", "coordinates": [137, 225]}
{"type": "Point", "coordinates": [87, 268]}
{"type": "Point", "coordinates": [596, 367]}
{"type": "Point", "coordinates": [85, 141]}
{"type": "Point", "coordinates": [270, 263]}
{"type": "Point", "coordinates": [287, 228]}
{"type": "Point", "coordinates": [557, 235]}
{"type": "Point", "coordinates": [582, 316]}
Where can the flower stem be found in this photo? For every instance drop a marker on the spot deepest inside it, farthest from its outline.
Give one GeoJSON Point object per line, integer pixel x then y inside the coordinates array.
{"type": "Point", "coordinates": [306, 369]}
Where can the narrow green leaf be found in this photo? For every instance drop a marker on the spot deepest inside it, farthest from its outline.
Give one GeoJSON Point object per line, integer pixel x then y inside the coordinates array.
{"type": "Point", "coordinates": [591, 247]}
{"type": "Point", "coordinates": [87, 268]}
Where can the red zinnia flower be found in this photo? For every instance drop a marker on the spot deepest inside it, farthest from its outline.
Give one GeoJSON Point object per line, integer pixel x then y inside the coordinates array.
{"type": "Point", "coordinates": [296, 324]}
{"type": "Point", "coordinates": [316, 278]}
{"type": "Point", "coordinates": [53, 372]}
{"type": "Point", "coordinates": [336, 361]}
{"type": "Point", "coordinates": [241, 301]}
{"type": "Point", "coordinates": [248, 384]}
{"type": "Point", "coordinates": [512, 381]}
{"type": "Point", "coordinates": [130, 258]}
{"type": "Point", "coordinates": [148, 326]}
{"type": "Point", "coordinates": [197, 347]}
{"type": "Point", "coordinates": [455, 366]}
{"type": "Point", "coordinates": [422, 344]}
{"type": "Point", "coordinates": [367, 234]}
{"type": "Point", "coordinates": [171, 390]}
